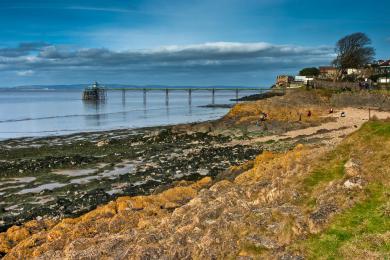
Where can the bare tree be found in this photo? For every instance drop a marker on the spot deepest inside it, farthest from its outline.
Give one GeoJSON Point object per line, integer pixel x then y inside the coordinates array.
{"type": "Point", "coordinates": [353, 51]}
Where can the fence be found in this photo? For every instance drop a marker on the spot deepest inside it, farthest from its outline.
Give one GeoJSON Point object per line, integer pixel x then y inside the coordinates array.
{"type": "Point", "coordinates": [336, 85]}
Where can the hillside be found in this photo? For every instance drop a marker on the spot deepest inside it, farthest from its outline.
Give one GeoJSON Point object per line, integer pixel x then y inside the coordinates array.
{"type": "Point", "coordinates": [308, 202]}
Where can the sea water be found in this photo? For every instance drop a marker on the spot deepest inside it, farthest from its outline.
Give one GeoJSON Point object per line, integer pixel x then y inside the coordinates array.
{"type": "Point", "coordinates": [26, 113]}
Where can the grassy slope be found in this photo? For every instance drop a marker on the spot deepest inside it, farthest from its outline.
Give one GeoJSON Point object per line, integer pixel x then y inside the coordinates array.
{"type": "Point", "coordinates": [360, 231]}
{"type": "Point", "coordinates": [363, 230]}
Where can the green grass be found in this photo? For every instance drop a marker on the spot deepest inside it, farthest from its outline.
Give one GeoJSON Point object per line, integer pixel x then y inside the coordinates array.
{"type": "Point", "coordinates": [360, 229]}
{"type": "Point", "coordinates": [377, 129]}
{"type": "Point", "coordinates": [323, 175]}
{"type": "Point", "coordinates": [332, 165]}
{"type": "Point", "coordinates": [352, 227]}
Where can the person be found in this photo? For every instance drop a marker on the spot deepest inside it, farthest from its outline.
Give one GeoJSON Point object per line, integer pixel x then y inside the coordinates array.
{"type": "Point", "coordinates": [331, 111]}
{"type": "Point", "coordinates": [343, 114]}
{"type": "Point", "coordinates": [309, 113]}
{"type": "Point", "coordinates": [263, 116]}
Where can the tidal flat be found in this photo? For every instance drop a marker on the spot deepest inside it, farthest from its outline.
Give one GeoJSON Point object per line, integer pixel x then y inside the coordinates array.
{"type": "Point", "coordinates": [65, 176]}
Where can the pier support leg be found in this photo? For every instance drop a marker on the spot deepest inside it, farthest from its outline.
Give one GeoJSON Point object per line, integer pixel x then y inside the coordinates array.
{"type": "Point", "coordinates": [123, 96]}
{"type": "Point", "coordinates": [213, 97]}
{"type": "Point", "coordinates": [144, 97]}
{"type": "Point", "coordinates": [189, 97]}
{"type": "Point", "coordinates": [166, 97]}
{"type": "Point", "coordinates": [236, 95]}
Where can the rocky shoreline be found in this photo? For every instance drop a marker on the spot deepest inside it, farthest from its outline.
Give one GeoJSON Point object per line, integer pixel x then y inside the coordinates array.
{"type": "Point", "coordinates": [230, 188]}
{"type": "Point", "coordinates": [66, 176]}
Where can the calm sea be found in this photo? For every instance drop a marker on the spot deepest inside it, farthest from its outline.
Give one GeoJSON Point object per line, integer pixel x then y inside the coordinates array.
{"type": "Point", "coordinates": [58, 112]}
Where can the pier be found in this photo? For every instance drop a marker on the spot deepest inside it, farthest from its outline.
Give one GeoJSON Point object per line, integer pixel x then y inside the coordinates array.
{"type": "Point", "coordinates": [190, 91]}
{"type": "Point", "coordinates": [94, 93]}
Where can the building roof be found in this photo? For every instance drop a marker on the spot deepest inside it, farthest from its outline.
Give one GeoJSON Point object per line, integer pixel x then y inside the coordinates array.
{"type": "Point", "coordinates": [327, 68]}
{"type": "Point", "coordinates": [385, 63]}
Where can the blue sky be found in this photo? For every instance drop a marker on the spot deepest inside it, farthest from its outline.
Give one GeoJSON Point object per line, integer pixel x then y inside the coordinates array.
{"type": "Point", "coordinates": [192, 42]}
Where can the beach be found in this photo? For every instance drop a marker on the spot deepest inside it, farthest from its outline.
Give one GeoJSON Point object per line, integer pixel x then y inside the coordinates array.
{"type": "Point", "coordinates": [66, 176]}
{"type": "Point", "coordinates": [61, 157]}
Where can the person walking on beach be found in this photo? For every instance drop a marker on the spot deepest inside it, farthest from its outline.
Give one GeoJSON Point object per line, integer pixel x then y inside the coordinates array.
{"type": "Point", "coordinates": [263, 116]}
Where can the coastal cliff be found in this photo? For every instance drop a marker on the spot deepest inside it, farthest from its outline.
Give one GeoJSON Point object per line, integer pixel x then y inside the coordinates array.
{"type": "Point", "coordinates": [315, 200]}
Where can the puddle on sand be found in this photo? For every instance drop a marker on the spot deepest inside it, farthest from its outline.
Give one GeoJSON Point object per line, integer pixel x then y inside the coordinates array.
{"type": "Point", "coordinates": [84, 180]}
{"type": "Point", "coordinates": [43, 200]}
{"type": "Point", "coordinates": [117, 188]}
{"type": "Point", "coordinates": [110, 174]}
{"type": "Point", "coordinates": [13, 207]}
{"type": "Point", "coordinates": [114, 191]}
{"type": "Point", "coordinates": [117, 171]}
{"type": "Point", "coordinates": [80, 172]}
{"type": "Point", "coordinates": [12, 187]}
{"type": "Point", "coordinates": [203, 172]}
{"type": "Point", "coordinates": [47, 186]}
{"type": "Point", "coordinates": [75, 173]}
{"type": "Point", "coordinates": [17, 180]}
{"type": "Point", "coordinates": [178, 175]}
{"type": "Point", "coordinates": [138, 183]}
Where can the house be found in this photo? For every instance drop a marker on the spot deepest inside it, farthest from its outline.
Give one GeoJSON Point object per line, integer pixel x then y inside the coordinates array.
{"type": "Point", "coordinates": [300, 81]}
{"type": "Point", "coordinates": [383, 80]}
{"type": "Point", "coordinates": [328, 72]}
{"type": "Point", "coordinates": [352, 71]}
{"type": "Point", "coordinates": [284, 81]}
{"type": "Point", "coordinates": [384, 67]}
{"type": "Point", "coordinates": [303, 79]}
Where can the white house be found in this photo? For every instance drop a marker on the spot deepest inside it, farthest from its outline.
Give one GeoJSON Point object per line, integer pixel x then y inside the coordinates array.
{"type": "Point", "coordinates": [384, 80]}
{"type": "Point", "coordinates": [352, 71]}
{"type": "Point", "coordinates": [303, 79]}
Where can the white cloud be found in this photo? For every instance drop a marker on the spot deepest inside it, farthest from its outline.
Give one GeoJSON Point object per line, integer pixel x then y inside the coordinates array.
{"type": "Point", "coordinates": [215, 51]}
{"type": "Point", "coordinates": [213, 60]}
{"type": "Point", "coordinates": [214, 55]}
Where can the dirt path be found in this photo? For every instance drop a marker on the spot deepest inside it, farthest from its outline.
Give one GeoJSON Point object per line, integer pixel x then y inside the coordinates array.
{"type": "Point", "coordinates": [331, 132]}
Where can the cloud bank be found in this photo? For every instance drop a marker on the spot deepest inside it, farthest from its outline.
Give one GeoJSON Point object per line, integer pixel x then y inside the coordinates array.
{"type": "Point", "coordinates": [216, 61]}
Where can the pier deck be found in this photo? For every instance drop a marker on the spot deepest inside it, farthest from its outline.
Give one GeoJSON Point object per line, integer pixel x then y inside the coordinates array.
{"type": "Point", "coordinates": [190, 90]}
